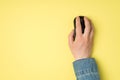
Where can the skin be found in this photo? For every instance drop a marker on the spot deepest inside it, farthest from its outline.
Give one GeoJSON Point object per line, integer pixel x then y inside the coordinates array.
{"type": "Point", "coordinates": [81, 47]}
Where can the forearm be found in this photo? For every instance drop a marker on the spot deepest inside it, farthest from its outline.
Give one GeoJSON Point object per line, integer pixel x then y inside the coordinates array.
{"type": "Point", "coordinates": [86, 69]}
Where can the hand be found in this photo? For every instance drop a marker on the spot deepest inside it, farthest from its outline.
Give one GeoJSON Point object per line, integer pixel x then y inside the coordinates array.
{"type": "Point", "coordinates": [81, 47]}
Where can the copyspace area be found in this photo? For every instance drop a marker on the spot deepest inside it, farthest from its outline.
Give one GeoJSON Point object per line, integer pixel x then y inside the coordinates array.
{"type": "Point", "coordinates": [34, 38]}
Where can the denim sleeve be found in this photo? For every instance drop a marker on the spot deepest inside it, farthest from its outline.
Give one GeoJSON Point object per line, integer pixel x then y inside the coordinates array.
{"type": "Point", "coordinates": [86, 69]}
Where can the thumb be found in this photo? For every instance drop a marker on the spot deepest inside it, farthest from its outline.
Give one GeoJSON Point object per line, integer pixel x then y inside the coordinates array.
{"type": "Point", "coordinates": [70, 38]}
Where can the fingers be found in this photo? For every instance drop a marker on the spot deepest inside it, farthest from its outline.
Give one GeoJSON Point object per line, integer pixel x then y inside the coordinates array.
{"type": "Point", "coordinates": [88, 27]}
{"type": "Point", "coordinates": [88, 32]}
{"type": "Point", "coordinates": [70, 38]}
{"type": "Point", "coordinates": [78, 27]}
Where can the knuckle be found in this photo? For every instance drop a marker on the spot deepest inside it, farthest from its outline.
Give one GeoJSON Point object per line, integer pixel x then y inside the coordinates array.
{"type": "Point", "coordinates": [78, 37]}
{"type": "Point", "coordinates": [87, 39]}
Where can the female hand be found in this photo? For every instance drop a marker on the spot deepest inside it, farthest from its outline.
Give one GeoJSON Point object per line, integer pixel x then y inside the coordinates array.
{"type": "Point", "coordinates": [81, 47]}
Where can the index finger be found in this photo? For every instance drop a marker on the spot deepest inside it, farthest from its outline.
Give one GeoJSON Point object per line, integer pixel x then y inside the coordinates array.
{"type": "Point", "coordinates": [78, 27]}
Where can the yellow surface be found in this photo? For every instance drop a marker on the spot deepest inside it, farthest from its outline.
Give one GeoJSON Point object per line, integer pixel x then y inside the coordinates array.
{"type": "Point", "coordinates": [34, 38]}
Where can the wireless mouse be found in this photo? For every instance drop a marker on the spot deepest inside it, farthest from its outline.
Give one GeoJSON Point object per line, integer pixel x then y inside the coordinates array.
{"type": "Point", "coordinates": [82, 25]}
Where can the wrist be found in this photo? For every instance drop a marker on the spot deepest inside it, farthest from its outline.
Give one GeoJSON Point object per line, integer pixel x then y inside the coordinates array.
{"type": "Point", "coordinates": [81, 57]}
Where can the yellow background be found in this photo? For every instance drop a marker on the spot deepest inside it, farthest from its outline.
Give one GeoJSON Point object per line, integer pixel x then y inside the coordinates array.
{"type": "Point", "coordinates": [34, 38]}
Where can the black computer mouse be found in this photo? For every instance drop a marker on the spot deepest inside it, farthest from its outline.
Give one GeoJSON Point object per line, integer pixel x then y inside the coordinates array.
{"type": "Point", "coordinates": [82, 22]}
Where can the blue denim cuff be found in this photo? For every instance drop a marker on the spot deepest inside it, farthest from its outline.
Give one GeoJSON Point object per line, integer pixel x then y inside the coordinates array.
{"type": "Point", "coordinates": [85, 66]}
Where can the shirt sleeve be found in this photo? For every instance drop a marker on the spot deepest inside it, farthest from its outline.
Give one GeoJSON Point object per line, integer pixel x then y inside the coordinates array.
{"type": "Point", "coordinates": [86, 69]}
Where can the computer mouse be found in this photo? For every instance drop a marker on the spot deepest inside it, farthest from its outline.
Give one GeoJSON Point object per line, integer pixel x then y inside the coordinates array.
{"type": "Point", "coordinates": [82, 22]}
